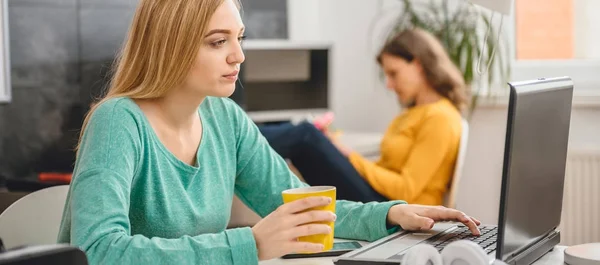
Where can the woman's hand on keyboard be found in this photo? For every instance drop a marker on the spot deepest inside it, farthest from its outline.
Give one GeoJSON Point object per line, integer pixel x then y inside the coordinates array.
{"type": "Point", "coordinates": [421, 217]}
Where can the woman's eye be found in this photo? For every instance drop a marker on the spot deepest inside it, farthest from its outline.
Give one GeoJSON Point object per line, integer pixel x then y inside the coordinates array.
{"type": "Point", "coordinates": [218, 43]}
{"type": "Point", "coordinates": [241, 38]}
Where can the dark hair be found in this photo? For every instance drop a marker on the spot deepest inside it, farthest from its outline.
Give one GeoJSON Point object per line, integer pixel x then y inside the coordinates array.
{"type": "Point", "coordinates": [440, 72]}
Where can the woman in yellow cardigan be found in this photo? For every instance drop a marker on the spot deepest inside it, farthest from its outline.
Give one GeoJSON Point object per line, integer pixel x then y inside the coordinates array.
{"type": "Point", "coordinates": [419, 149]}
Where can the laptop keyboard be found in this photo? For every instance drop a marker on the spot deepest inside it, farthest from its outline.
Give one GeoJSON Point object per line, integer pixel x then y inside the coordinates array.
{"type": "Point", "coordinates": [487, 239]}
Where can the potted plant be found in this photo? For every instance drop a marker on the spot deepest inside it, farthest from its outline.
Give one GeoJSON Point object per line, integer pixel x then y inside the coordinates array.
{"type": "Point", "coordinates": [462, 31]}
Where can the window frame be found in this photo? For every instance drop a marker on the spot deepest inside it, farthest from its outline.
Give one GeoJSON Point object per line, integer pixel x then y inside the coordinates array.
{"type": "Point", "coordinates": [584, 72]}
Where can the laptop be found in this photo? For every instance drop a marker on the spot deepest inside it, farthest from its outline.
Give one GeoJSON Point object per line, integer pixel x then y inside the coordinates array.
{"type": "Point", "coordinates": [535, 154]}
{"type": "Point", "coordinates": [63, 254]}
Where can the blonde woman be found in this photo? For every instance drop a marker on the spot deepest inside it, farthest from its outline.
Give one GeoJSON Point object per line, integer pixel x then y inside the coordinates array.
{"type": "Point", "coordinates": [162, 154]}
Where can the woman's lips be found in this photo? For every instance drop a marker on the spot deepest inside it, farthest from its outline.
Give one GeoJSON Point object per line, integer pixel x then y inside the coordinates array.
{"type": "Point", "coordinates": [232, 76]}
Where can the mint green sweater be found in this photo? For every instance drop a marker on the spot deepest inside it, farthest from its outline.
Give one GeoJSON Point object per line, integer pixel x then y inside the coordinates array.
{"type": "Point", "coordinates": [132, 201]}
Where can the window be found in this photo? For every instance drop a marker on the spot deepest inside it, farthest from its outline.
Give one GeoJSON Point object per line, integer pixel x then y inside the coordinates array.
{"type": "Point", "coordinates": [556, 38]}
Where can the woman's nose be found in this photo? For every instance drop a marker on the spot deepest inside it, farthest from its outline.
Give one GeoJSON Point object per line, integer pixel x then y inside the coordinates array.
{"type": "Point", "coordinates": [237, 55]}
{"type": "Point", "coordinates": [389, 84]}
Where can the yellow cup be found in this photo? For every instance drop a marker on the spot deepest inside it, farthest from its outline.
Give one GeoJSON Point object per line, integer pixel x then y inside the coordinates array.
{"type": "Point", "coordinates": [316, 191]}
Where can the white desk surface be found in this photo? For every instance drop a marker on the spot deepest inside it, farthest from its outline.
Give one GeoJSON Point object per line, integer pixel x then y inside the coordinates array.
{"type": "Point", "coordinates": [553, 258]}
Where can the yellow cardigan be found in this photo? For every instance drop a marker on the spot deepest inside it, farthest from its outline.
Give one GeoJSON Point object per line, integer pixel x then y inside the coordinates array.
{"type": "Point", "coordinates": [418, 153]}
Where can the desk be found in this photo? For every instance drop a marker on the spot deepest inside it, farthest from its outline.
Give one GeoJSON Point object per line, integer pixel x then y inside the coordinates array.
{"type": "Point", "coordinates": [553, 258]}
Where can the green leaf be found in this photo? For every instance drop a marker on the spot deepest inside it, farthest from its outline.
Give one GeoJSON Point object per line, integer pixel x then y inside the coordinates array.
{"type": "Point", "coordinates": [468, 74]}
{"type": "Point", "coordinates": [463, 47]}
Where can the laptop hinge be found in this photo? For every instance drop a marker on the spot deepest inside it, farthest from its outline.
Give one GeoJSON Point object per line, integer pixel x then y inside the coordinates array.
{"type": "Point", "coordinates": [527, 247]}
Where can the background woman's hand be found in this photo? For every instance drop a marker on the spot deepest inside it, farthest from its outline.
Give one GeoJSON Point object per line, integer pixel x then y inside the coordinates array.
{"type": "Point", "coordinates": [276, 234]}
{"type": "Point", "coordinates": [420, 217]}
{"type": "Point", "coordinates": [322, 123]}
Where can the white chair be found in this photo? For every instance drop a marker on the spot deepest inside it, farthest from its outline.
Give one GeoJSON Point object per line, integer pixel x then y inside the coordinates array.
{"type": "Point", "coordinates": [34, 219]}
{"type": "Point", "coordinates": [450, 198]}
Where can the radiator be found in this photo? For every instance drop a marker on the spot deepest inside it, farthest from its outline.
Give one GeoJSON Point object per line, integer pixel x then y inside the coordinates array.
{"type": "Point", "coordinates": [580, 222]}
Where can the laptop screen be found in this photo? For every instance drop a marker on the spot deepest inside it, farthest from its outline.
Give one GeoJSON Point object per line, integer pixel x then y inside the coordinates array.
{"type": "Point", "coordinates": [534, 162]}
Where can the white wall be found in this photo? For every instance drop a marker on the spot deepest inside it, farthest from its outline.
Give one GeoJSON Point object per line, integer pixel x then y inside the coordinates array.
{"type": "Point", "coordinates": [479, 193]}
{"type": "Point", "coordinates": [587, 24]}
{"type": "Point", "coordinates": [358, 97]}
{"type": "Point", "coordinates": [304, 20]}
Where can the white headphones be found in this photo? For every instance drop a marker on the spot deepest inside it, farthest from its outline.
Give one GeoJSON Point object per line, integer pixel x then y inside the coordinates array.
{"type": "Point", "coordinates": [461, 252]}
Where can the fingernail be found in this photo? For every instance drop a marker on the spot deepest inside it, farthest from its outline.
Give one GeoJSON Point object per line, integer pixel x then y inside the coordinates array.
{"type": "Point", "coordinates": [334, 217]}
{"type": "Point", "coordinates": [321, 246]}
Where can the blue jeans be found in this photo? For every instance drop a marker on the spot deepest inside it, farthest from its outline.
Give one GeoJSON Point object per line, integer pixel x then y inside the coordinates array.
{"type": "Point", "coordinates": [318, 160]}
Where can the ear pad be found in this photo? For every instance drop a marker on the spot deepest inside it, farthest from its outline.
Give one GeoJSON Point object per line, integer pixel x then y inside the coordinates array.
{"type": "Point", "coordinates": [422, 254]}
{"type": "Point", "coordinates": [464, 252]}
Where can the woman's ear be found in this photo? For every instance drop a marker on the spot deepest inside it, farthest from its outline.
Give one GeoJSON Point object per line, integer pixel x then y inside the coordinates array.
{"type": "Point", "coordinates": [416, 63]}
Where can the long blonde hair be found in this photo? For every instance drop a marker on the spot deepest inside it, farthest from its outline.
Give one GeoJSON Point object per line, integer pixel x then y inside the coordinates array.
{"type": "Point", "coordinates": [441, 73]}
{"type": "Point", "coordinates": [160, 49]}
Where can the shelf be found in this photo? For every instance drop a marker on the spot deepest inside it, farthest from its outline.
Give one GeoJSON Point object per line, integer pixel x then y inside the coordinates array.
{"type": "Point", "coordinates": [285, 45]}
